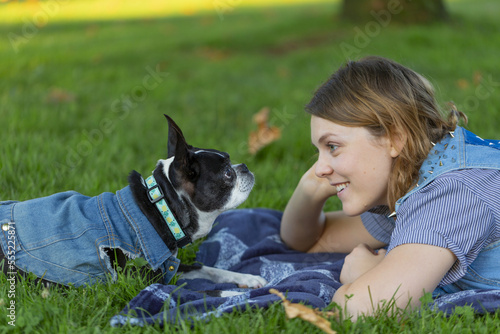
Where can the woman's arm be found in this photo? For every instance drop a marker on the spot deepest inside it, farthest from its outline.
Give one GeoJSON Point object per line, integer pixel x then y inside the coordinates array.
{"type": "Point", "coordinates": [406, 273]}
{"type": "Point", "coordinates": [341, 234]}
{"type": "Point", "coordinates": [303, 219]}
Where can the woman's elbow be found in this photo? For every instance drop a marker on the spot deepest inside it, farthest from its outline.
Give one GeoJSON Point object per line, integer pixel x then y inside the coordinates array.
{"type": "Point", "coordinates": [355, 303]}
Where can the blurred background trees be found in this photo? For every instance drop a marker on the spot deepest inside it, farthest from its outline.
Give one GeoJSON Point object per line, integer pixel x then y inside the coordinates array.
{"type": "Point", "coordinates": [401, 11]}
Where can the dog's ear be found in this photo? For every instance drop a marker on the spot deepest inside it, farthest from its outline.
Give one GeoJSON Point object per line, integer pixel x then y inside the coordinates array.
{"type": "Point", "coordinates": [176, 142]}
{"type": "Point", "coordinates": [178, 147]}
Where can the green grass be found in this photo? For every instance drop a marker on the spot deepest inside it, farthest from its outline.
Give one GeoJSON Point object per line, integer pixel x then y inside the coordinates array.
{"type": "Point", "coordinates": [215, 74]}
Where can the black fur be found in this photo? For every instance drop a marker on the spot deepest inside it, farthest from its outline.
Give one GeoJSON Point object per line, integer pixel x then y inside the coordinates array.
{"type": "Point", "coordinates": [185, 215]}
{"type": "Point", "coordinates": [149, 209]}
{"type": "Point", "coordinates": [185, 268]}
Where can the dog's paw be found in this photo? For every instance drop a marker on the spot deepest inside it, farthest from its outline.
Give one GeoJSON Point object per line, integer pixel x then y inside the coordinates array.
{"type": "Point", "coordinates": [251, 281]}
{"type": "Point", "coordinates": [224, 276]}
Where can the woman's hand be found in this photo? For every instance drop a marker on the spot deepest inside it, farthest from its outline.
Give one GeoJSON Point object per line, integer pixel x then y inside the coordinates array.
{"type": "Point", "coordinates": [315, 187]}
{"type": "Point", "coordinates": [359, 261]}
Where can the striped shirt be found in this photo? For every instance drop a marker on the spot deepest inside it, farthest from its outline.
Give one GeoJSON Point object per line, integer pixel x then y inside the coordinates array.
{"type": "Point", "coordinates": [459, 210]}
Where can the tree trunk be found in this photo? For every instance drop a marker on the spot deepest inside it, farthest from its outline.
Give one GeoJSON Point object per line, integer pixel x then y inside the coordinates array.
{"type": "Point", "coordinates": [400, 11]}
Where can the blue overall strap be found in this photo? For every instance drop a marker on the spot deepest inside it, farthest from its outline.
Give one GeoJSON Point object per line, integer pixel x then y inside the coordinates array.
{"type": "Point", "coordinates": [156, 197]}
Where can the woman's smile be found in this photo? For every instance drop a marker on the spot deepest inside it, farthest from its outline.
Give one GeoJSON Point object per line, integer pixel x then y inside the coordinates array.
{"type": "Point", "coordinates": [356, 163]}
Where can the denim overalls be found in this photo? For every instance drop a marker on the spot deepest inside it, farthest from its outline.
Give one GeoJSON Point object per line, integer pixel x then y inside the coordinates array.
{"type": "Point", "coordinates": [462, 150]}
{"type": "Point", "coordinates": [63, 237]}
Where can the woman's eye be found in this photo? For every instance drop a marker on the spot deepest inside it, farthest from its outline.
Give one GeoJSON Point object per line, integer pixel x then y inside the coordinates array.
{"type": "Point", "coordinates": [332, 147]}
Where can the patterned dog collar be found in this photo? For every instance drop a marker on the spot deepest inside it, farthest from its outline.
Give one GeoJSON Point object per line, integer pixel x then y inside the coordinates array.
{"type": "Point", "coordinates": [155, 195]}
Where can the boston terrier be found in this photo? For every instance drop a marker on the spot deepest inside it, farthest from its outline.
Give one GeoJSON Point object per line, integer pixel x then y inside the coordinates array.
{"type": "Point", "coordinates": [72, 239]}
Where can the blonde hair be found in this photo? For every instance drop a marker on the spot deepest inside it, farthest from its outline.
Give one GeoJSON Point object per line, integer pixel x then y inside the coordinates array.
{"type": "Point", "coordinates": [390, 100]}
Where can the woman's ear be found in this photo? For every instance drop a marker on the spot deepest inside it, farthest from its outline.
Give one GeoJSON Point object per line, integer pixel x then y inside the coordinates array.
{"type": "Point", "coordinates": [398, 141]}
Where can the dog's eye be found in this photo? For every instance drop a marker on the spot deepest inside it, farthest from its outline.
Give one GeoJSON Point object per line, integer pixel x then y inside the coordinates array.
{"type": "Point", "coordinates": [228, 173]}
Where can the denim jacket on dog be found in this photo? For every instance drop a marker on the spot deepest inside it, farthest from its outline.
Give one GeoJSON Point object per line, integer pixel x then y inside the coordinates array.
{"type": "Point", "coordinates": [63, 237]}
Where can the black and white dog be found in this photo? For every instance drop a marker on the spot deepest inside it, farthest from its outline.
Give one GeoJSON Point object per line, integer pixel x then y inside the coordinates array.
{"type": "Point", "coordinates": [69, 238]}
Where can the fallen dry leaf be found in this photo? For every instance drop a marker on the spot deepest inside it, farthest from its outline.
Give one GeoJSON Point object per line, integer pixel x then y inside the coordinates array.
{"type": "Point", "coordinates": [462, 84]}
{"type": "Point", "coordinates": [265, 134]}
{"type": "Point", "coordinates": [308, 314]}
{"type": "Point", "coordinates": [477, 78]}
{"type": "Point", "coordinates": [58, 95]}
{"type": "Point", "coordinates": [213, 54]}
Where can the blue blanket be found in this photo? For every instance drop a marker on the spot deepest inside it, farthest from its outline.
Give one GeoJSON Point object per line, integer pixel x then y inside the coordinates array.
{"type": "Point", "coordinates": [248, 241]}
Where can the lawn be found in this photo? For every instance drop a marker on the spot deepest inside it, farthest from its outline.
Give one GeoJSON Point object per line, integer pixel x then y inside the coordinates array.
{"type": "Point", "coordinates": [84, 87]}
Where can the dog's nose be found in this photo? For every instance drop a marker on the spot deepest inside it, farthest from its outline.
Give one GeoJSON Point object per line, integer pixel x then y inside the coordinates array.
{"type": "Point", "coordinates": [243, 168]}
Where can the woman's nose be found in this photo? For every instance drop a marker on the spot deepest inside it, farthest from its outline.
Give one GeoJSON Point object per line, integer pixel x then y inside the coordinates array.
{"type": "Point", "coordinates": [323, 168]}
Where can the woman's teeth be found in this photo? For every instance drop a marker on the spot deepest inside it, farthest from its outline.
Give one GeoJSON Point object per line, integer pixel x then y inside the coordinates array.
{"type": "Point", "coordinates": [341, 186]}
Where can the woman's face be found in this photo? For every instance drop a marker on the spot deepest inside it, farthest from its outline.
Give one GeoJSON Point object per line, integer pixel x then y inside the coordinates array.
{"type": "Point", "coordinates": [355, 162]}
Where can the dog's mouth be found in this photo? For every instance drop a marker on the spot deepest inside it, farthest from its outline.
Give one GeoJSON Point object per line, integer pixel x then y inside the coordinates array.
{"type": "Point", "coordinates": [245, 182]}
{"type": "Point", "coordinates": [244, 178]}
{"type": "Point", "coordinates": [241, 190]}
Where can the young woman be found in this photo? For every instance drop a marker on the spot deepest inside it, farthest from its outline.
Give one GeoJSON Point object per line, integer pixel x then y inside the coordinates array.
{"type": "Point", "coordinates": [414, 185]}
